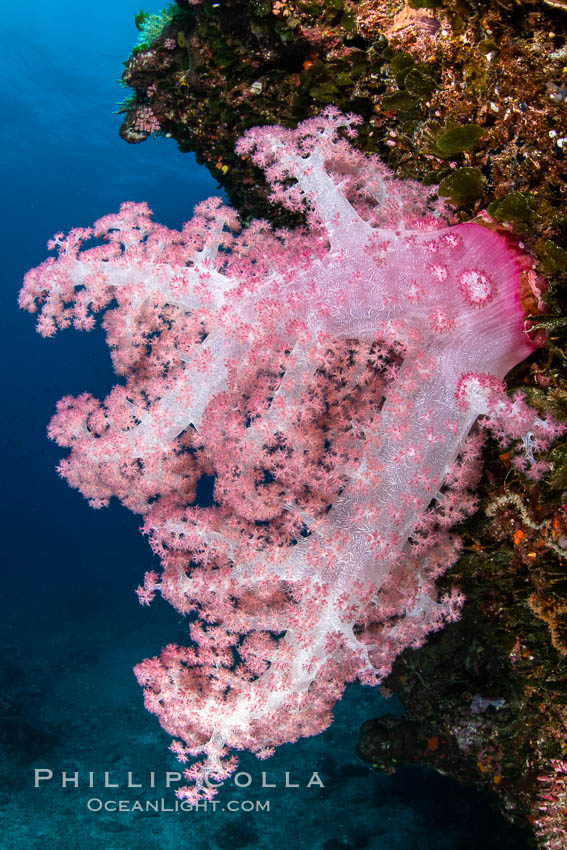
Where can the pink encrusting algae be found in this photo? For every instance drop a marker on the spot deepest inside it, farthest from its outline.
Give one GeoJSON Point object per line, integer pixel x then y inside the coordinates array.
{"type": "Point", "coordinates": [327, 379]}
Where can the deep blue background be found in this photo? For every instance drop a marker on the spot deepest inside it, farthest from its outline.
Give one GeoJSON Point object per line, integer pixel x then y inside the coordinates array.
{"type": "Point", "coordinates": [64, 165]}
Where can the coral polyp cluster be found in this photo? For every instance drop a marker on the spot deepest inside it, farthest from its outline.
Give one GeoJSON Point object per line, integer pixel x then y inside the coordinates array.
{"type": "Point", "coordinates": [327, 380]}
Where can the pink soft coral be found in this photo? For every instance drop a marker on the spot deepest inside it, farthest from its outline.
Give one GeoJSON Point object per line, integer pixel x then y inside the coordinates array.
{"type": "Point", "coordinates": [328, 379]}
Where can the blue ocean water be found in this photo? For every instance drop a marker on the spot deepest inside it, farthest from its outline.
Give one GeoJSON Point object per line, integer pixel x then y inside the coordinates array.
{"type": "Point", "coordinates": [71, 627]}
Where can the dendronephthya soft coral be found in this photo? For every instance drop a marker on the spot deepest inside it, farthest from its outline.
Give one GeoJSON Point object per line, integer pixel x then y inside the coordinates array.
{"type": "Point", "coordinates": [328, 379]}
